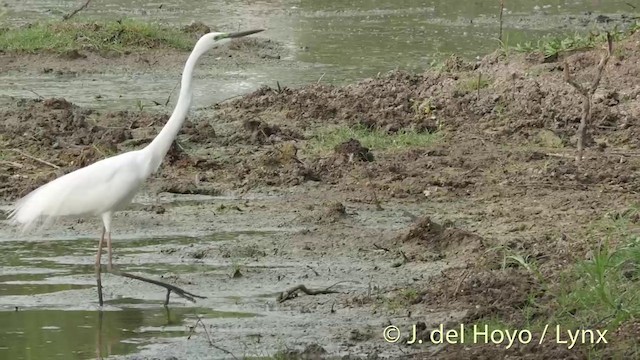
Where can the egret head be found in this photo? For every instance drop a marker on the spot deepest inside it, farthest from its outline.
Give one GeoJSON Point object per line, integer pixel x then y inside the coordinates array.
{"type": "Point", "coordinates": [215, 39]}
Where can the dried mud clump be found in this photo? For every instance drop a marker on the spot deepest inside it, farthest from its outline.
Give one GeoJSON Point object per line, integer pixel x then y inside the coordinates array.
{"type": "Point", "coordinates": [531, 351]}
{"type": "Point", "coordinates": [352, 150]}
{"type": "Point", "coordinates": [501, 99]}
{"type": "Point", "coordinates": [387, 102]}
{"type": "Point", "coordinates": [484, 293]}
{"type": "Point", "coordinates": [200, 132]}
{"type": "Point", "coordinates": [329, 214]}
{"type": "Point", "coordinates": [448, 241]}
{"type": "Point", "coordinates": [196, 27]}
{"type": "Point", "coordinates": [277, 166]}
{"type": "Point", "coordinates": [43, 139]}
{"type": "Point", "coordinates": [257, 132]}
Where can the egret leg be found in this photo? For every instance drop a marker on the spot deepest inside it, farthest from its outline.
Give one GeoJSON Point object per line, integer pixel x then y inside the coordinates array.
{"type": "Point", "coordinates": [98, 270]}
{"type": "Point", "coordinates": [109, 247]}
{"type": "Point", "coordinates": [106, 220]}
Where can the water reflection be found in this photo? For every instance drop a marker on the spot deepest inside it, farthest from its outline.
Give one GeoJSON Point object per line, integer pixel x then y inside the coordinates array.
{"type": "Point", "coordinates": [59, 334]}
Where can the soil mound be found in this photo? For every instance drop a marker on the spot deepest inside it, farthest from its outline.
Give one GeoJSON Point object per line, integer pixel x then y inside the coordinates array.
{"type": "Point", "coordinates": [256, 132]}
{"type": "Point", "coordinates": [44, 139]}
{"type": "Point", "coordinates": [445, 240]}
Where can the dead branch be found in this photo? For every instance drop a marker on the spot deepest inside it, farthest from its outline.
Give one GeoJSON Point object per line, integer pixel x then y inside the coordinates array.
{"type": "Point", "coordinates": [559, 155]}
{"type": "Point", "coordinates": [192, 330]}
{"type": "Point", "coordinates": [500, 19]}
{"type": "Point", "coordinates": [314, 270]}
{"type": "Point", "coordinates": [380, 247]}
{"type": "Point", "coordinates": [180, 292]}
{"type": "Point", "coordinates": [74, 12]}
{"type": "Point", "coordinates": [171, 93]}
{"type": "Point", "coordinates": [35, 158]}
{"type": "Point", "coordinates": [12, 163]}
{"type": "Point", "coordinates": [404, 256]}
{"type": "Point", "coordinates": [36, 94]}
{"type": "Point", "coordinates": [464, 276]}
{"type": "Point", "coordinates": [587, 94]}
{"type": "Point", "coordinates": [292, 292]}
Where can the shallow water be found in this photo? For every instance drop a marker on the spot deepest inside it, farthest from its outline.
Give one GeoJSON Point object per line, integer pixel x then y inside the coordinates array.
{"type": "Point", "coordinates": [335, 41]}
{"type": "Point", "coordinates": [42, 329]}
{"type": "Point", "coordinates": [77, 334]}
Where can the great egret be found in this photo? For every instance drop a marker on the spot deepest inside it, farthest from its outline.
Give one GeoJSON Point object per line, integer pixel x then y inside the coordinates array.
{"type": "Point", "coordinates": [110, 184]}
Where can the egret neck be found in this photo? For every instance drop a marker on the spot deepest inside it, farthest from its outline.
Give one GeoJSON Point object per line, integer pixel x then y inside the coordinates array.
{"type": "Point", "coordinates": [159, 147]}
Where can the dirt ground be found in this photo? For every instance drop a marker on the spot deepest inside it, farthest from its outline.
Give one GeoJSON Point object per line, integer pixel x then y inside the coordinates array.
{"type": "Point", "coordinates": [503, 177]}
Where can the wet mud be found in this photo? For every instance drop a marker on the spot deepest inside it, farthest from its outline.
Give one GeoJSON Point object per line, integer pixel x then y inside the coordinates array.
{"type": "Point", "coordinates": [244, 208]}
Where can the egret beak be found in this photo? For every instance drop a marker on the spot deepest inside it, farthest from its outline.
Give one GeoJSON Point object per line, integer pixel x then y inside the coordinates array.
{"type": "Point", "coordinates": [243, 33]}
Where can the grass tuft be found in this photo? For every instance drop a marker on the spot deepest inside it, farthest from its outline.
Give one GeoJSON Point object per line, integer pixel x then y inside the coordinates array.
{"type": "Point", "coordinates": [605, 289]}
{"type": "Point", "coordinates": [114, 36]}
{"type": "Point", "coordinates": [378, 140]}
{"type": "Point", "coordinates": [551, 46]}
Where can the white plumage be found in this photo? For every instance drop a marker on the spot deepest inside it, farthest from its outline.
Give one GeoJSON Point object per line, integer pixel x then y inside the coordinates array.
{"type": "Point", "coordinates": [101, 187]}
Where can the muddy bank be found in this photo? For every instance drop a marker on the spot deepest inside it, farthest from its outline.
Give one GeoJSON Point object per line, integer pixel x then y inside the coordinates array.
{"type": "Point", "coordinates": [242, 52]}
{"type": "Point", "coordinates": [108, 48]}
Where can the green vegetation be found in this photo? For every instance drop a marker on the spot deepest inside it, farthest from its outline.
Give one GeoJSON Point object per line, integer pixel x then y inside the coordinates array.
{"type": "Point", "coordinates": [553, 45]}
{"type": "Point", "coordinates": [601, 292]}
{"type": "Point", "coordinates": [379, 140]}
{"type": "Point", "coordinates": [604, 291]}
{"type": "Point", "coordinates": [103, 37]}
{"type": "Point", "coordinates": [472, 84]}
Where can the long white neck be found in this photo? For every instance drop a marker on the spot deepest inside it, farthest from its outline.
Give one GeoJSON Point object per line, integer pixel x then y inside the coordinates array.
{"type": "Point", "coordinates": [158, 148]}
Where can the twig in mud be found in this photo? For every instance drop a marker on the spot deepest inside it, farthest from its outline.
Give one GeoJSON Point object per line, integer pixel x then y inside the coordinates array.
{"type": "Point", "coordinates": [178, 291]}
{"type": "Point", "coordinates": [312, 269]}
{"type": "Point", "coordinates": [36, 94]}
{"type": "Point", "coordinates": [464, 276]}
{"type": "Point", "coordinates": [404, 256]}
{"type": "Point", "coordinates": [171, 93]}
{"type": "Point", "coordinates": [193, 330]}
{"type": "Point", "coordinates": [35, 158]}
{"type": "Point", "coordinates": [98, 150]}
{"type": "Point", "coordinates": [375, 195]}
{"type": "Point", "coordinates": [320, 79]}
{"type": "Point", "coordinates": [622, 153]}
{"type": "Point", "coordinates": [587, 94]}
{"type": "Point", "coordinates": [500, 18]}
{"type": "Point", "coordinates": [12, 163]}
{"type": "Point", "coordinates": [558, 155]}
{"type": "Point", "coordinates": [74, 12]}
{"type": "Point", "coordinates": [292, 292]}
{"type": "Point", "coordinates": [380, 247]}
{"type": "Point", "coordinates": [631, 5]}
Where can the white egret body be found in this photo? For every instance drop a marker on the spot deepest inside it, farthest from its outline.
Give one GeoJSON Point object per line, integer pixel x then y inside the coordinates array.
{"type": "Point", "coordinates": [110, 184]}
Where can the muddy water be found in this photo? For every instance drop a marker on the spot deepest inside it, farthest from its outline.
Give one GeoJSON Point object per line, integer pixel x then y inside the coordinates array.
{"type": "Point", "coordinates": [48, 276]}
{"type": "Point", "coordinates": [337, 42]}
{"type": "Point", "coordinates": [34, 328]}
{"type": "Point", "coordinates": [86, 334]}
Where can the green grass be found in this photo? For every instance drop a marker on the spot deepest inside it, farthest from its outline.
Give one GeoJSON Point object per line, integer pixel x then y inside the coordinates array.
{"type": "Point", "coordinates": [379, 140]}
{"type": "Point", "coordinates": [472, 84]}
{"type": "Point", "coordinates": [119, 37]}
{"type": "Point", "coordinates": [598, 293]}
{"type": "Point", "coordinates": [553, 45]}
{"type": "Point", "coordinates": [605, 290]}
